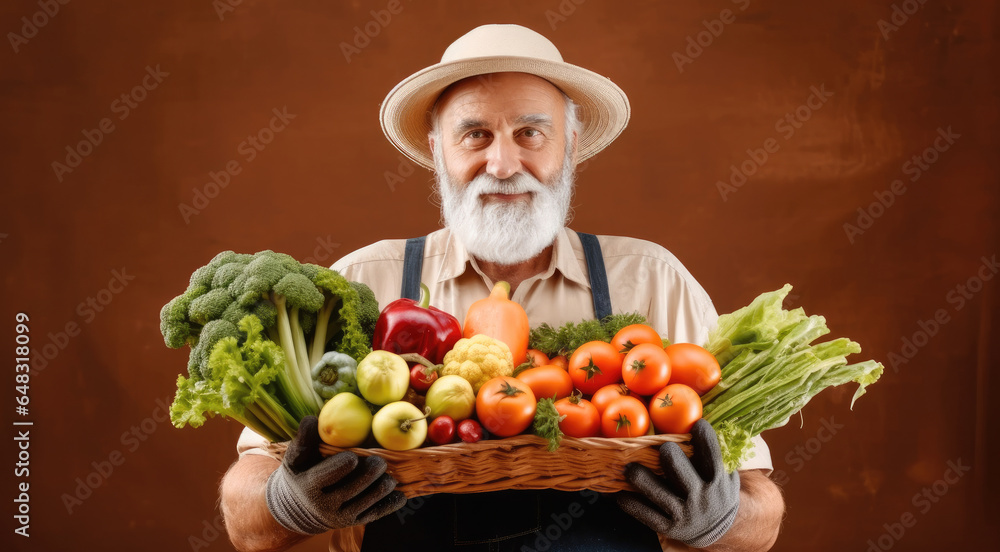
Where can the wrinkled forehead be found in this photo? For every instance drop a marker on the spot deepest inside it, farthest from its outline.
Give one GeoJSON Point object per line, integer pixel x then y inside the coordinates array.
{"type": "Point", "coordinates": [501, 92]}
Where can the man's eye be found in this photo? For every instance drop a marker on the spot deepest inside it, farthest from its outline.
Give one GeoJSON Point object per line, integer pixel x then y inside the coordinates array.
{"type": "Point", "coordinates": [477, 135]}
{"type": "Point", "coordinates": [531, 133]}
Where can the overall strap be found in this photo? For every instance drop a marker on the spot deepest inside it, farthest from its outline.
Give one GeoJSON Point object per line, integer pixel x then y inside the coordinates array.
{"type": "Point", "coordinates": [598, 275]}
{"type": "Point", "coordinates": [413, 260]}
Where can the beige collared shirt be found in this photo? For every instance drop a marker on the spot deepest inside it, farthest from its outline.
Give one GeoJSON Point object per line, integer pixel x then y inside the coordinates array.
{"type": "Point", "coordinates": [643, 277]}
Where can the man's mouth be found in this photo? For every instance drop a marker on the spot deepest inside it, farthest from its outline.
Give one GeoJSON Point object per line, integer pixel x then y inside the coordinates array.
{"type": "Point", "coordinates": [506, 198]}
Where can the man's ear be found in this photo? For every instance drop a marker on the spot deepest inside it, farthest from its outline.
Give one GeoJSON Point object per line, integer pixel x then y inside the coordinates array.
{"type": "Point", "coordinates": [576, 143]}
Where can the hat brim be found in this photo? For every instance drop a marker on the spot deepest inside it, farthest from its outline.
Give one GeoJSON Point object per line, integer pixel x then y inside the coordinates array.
{"type": "Point", "coordinates": [603, 107]}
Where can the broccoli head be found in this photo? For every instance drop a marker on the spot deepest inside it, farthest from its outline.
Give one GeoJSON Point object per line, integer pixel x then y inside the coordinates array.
{"type": "Point", "coordinates": [210, 306]}
{"type": "Point", "coordinates": [300, 292]}
{"type": "Point", "coordinates": [368, 311]}
{"type": "Point", "coordinates": [210, 335]}
{"type": "Point", "coordinates": [260, 276]}
{"type": "Point", "coordinates": [175, 326]}
{"type": "Point", "coordinates": [226, 274]}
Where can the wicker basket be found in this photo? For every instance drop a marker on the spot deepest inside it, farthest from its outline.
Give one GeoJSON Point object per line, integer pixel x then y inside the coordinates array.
{"type": "Point", "coordinates": [520, 462]}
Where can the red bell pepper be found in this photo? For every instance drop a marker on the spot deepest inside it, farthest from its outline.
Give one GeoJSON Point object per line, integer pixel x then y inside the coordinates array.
{"type": "Point", "coordinates": [408, 326]}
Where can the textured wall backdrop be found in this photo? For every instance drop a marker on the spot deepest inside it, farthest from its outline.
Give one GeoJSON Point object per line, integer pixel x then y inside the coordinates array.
{"type": "Point", "coordinates": [847, 148]}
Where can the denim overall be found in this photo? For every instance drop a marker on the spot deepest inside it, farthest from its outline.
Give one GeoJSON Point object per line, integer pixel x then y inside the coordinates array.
{"type": "Point", "coordinates": [512, 521]}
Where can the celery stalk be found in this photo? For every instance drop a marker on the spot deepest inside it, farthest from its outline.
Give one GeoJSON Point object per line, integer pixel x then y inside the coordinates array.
{"type": "Point", "coordinates": [771, 370]}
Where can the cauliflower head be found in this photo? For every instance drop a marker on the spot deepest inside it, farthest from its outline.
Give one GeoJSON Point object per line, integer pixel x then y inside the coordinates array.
{"type": "Point", "coordinates": [478, 359]}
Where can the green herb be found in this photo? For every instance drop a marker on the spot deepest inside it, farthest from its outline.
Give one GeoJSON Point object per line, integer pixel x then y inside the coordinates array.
{"type": "Point", "coordinates": [566, 338]}
{"type": "Point", "coordinates": [771, 369]}
{"type": "Point", "coordinates": [546, 423]}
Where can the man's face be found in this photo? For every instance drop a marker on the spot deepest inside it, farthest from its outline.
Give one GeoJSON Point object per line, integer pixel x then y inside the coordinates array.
{"type": "Point", "coordinates": [502, 124]}
{"type": "Point", "coordinates": [504, 164]}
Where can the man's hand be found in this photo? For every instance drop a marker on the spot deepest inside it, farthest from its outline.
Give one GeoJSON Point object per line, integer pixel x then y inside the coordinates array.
{"type": "Point", "coordinates": [310, 494]}
{"type": "Point", "coordinates": [696, 500]}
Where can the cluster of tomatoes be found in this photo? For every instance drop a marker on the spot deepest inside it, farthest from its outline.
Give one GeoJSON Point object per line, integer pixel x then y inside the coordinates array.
{"type": "Point", "coordinates": [629, 387]}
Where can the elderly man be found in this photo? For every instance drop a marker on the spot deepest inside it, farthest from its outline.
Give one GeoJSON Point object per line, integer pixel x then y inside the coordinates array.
{"type": "Point", "coordinates": [503, 121]}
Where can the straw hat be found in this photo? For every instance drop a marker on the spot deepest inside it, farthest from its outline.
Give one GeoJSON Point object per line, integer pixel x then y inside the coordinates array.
{"type": "Point", "coordinates": [604, 108]}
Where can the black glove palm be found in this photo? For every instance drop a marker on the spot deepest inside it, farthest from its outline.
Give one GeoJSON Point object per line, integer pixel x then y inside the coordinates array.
{"type": "Point", "coordinates": [310, 494]}
{"type": "Point", "coordinates": [695, 502]}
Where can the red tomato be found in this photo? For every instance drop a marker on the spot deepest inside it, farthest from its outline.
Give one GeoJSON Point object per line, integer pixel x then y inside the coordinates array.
{"type": "Point", "coordinates": [646, 368]}
{"type": "Point", "coordinates": [419, 380]}
{"type": "Point", "coordinates": [441, 431]}
{"type": "Point", "coordinates": [625, 417]}
{"type": "Point", "coordinates": [537, 358]}
{"type": "Point", "coordinates": [693, 366]}
{"type": "Point", "coordinates": [675, 409]}
{"type": "Point", "coordinates": [580, 417]}
{"type": "Point", "coordinates": [505, 406]}
{"type": "Point", "coordinates": [633, 335]}
{"type": "Point", "coordinates": [603, 396]}
{"type": "Point", "coordinates": [470, 431]}
{"type": "Point", "coordinates": [547, 381]}
{"type": "Point", "coordinates": [594, 365]}
{"type": "Point", "coordinates": [560, 361]}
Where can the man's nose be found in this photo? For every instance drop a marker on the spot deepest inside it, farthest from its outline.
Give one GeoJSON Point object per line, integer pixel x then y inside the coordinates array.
{"type": "Point", "coordinates": [503, 158]}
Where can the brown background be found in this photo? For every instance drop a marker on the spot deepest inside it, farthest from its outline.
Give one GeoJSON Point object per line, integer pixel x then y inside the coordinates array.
{"type": "Point", "coordinates": [321, 181]}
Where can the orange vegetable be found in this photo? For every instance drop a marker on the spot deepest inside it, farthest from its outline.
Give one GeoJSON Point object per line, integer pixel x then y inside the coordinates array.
{"type": "Point", "coordinates": [560, 361]}
{"type": "Point", "coordinates": [500, 318]}
{"type": "Point", "coordinates": [505, 406]}
{"type": "Point", "coordinates": [537, 358]}
{"type": "Point", "coordinates": [547, 381]}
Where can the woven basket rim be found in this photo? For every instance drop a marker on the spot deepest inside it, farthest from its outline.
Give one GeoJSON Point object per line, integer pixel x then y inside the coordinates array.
{"type": "Point", "coordinates": [462, 448]}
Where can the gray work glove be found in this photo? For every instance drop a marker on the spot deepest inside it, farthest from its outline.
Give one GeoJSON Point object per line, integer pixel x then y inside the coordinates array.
{"type": "Point", "coordinates": [310, 494]}
{"type": "Point", "coordinates": [695, 502]}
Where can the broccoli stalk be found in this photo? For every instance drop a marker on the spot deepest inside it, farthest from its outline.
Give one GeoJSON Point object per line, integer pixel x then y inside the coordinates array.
{"type": "Point", "coordinates": [294, 292]}
{"type": "Point", "coordinates": [320, 335]}
{"type": "Point", "coordinates": [287, 340]}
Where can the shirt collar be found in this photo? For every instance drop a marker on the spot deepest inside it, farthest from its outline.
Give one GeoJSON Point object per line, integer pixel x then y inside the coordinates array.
{"type": "Point", "coordinates": [567, 257]}
{"type": "Point", "coordinates": [456, 258]}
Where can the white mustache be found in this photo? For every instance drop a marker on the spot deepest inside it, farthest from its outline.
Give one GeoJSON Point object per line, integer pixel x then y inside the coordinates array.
{"type": "Point", "coordinates": [519, 183]}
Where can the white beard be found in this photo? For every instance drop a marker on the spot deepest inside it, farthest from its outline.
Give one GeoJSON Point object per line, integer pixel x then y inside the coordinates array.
{"type": "Point", "coordinates": [505, 233]}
